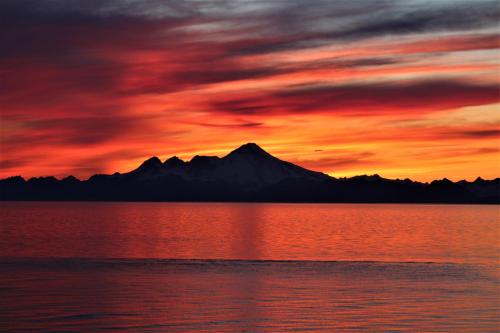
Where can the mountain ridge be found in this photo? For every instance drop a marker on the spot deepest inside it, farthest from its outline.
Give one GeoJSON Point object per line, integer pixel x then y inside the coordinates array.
{"type": "Point", "coordinates": [248, 173]}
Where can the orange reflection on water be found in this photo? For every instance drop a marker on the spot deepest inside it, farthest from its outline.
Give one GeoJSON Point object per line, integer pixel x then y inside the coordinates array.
{"type": "Point", "coordinates": [396, 233]}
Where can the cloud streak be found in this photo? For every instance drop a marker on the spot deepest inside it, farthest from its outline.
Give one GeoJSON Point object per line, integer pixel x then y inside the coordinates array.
{"type": "Point", "coordinates": [366, 99]}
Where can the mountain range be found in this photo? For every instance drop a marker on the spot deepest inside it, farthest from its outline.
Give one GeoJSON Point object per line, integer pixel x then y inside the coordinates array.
{"type": "Point", "coordinates": [248, 173]}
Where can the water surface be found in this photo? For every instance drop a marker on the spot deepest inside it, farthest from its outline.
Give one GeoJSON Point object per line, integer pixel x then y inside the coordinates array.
{"type": "Point", "coordinates": [170, 267]}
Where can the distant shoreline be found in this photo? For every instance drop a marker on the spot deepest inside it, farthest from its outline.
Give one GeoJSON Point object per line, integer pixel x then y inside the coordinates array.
{"type": "Point", "coordinates": [263, 202]}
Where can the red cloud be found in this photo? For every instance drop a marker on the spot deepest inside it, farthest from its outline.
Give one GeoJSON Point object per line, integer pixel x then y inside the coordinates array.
{"type": "Point", "coordinates": [364, 99]}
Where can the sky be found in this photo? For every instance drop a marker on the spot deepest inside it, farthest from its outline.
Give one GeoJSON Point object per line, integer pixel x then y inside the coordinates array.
{"type": "Point", "coordinates": [403, 89]}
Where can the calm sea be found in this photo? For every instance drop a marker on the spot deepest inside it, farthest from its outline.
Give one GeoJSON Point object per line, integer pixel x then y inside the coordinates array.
{"type": "Point", "coordinates": [196, 267]}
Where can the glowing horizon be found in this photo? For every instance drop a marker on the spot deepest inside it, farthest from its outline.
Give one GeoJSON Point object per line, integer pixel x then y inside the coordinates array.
{"type": "Point", "coordinates": [406, 90]}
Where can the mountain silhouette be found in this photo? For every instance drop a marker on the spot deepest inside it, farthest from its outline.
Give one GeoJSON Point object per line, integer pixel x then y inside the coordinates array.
{"type": "Point", "coordinates": [249, 167]}
{"type": "Point", "coordinates": [248, 173]}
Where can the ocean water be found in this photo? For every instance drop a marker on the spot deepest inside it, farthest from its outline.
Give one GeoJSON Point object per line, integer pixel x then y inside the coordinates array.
{"type": "Point", "coordinates": [202, 267]}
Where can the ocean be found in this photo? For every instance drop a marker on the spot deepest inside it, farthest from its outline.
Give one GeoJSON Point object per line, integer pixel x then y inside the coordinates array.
{"type": "Point", "coordinates": [224, 267]}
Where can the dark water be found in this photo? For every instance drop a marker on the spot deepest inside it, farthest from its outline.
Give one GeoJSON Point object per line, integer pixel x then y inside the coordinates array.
{"type": "Point", "coordinates": [160, 267]}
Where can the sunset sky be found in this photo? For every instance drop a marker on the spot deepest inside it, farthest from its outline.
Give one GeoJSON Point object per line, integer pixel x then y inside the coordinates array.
{"type": "Point", "coordinates": [399, 88]}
